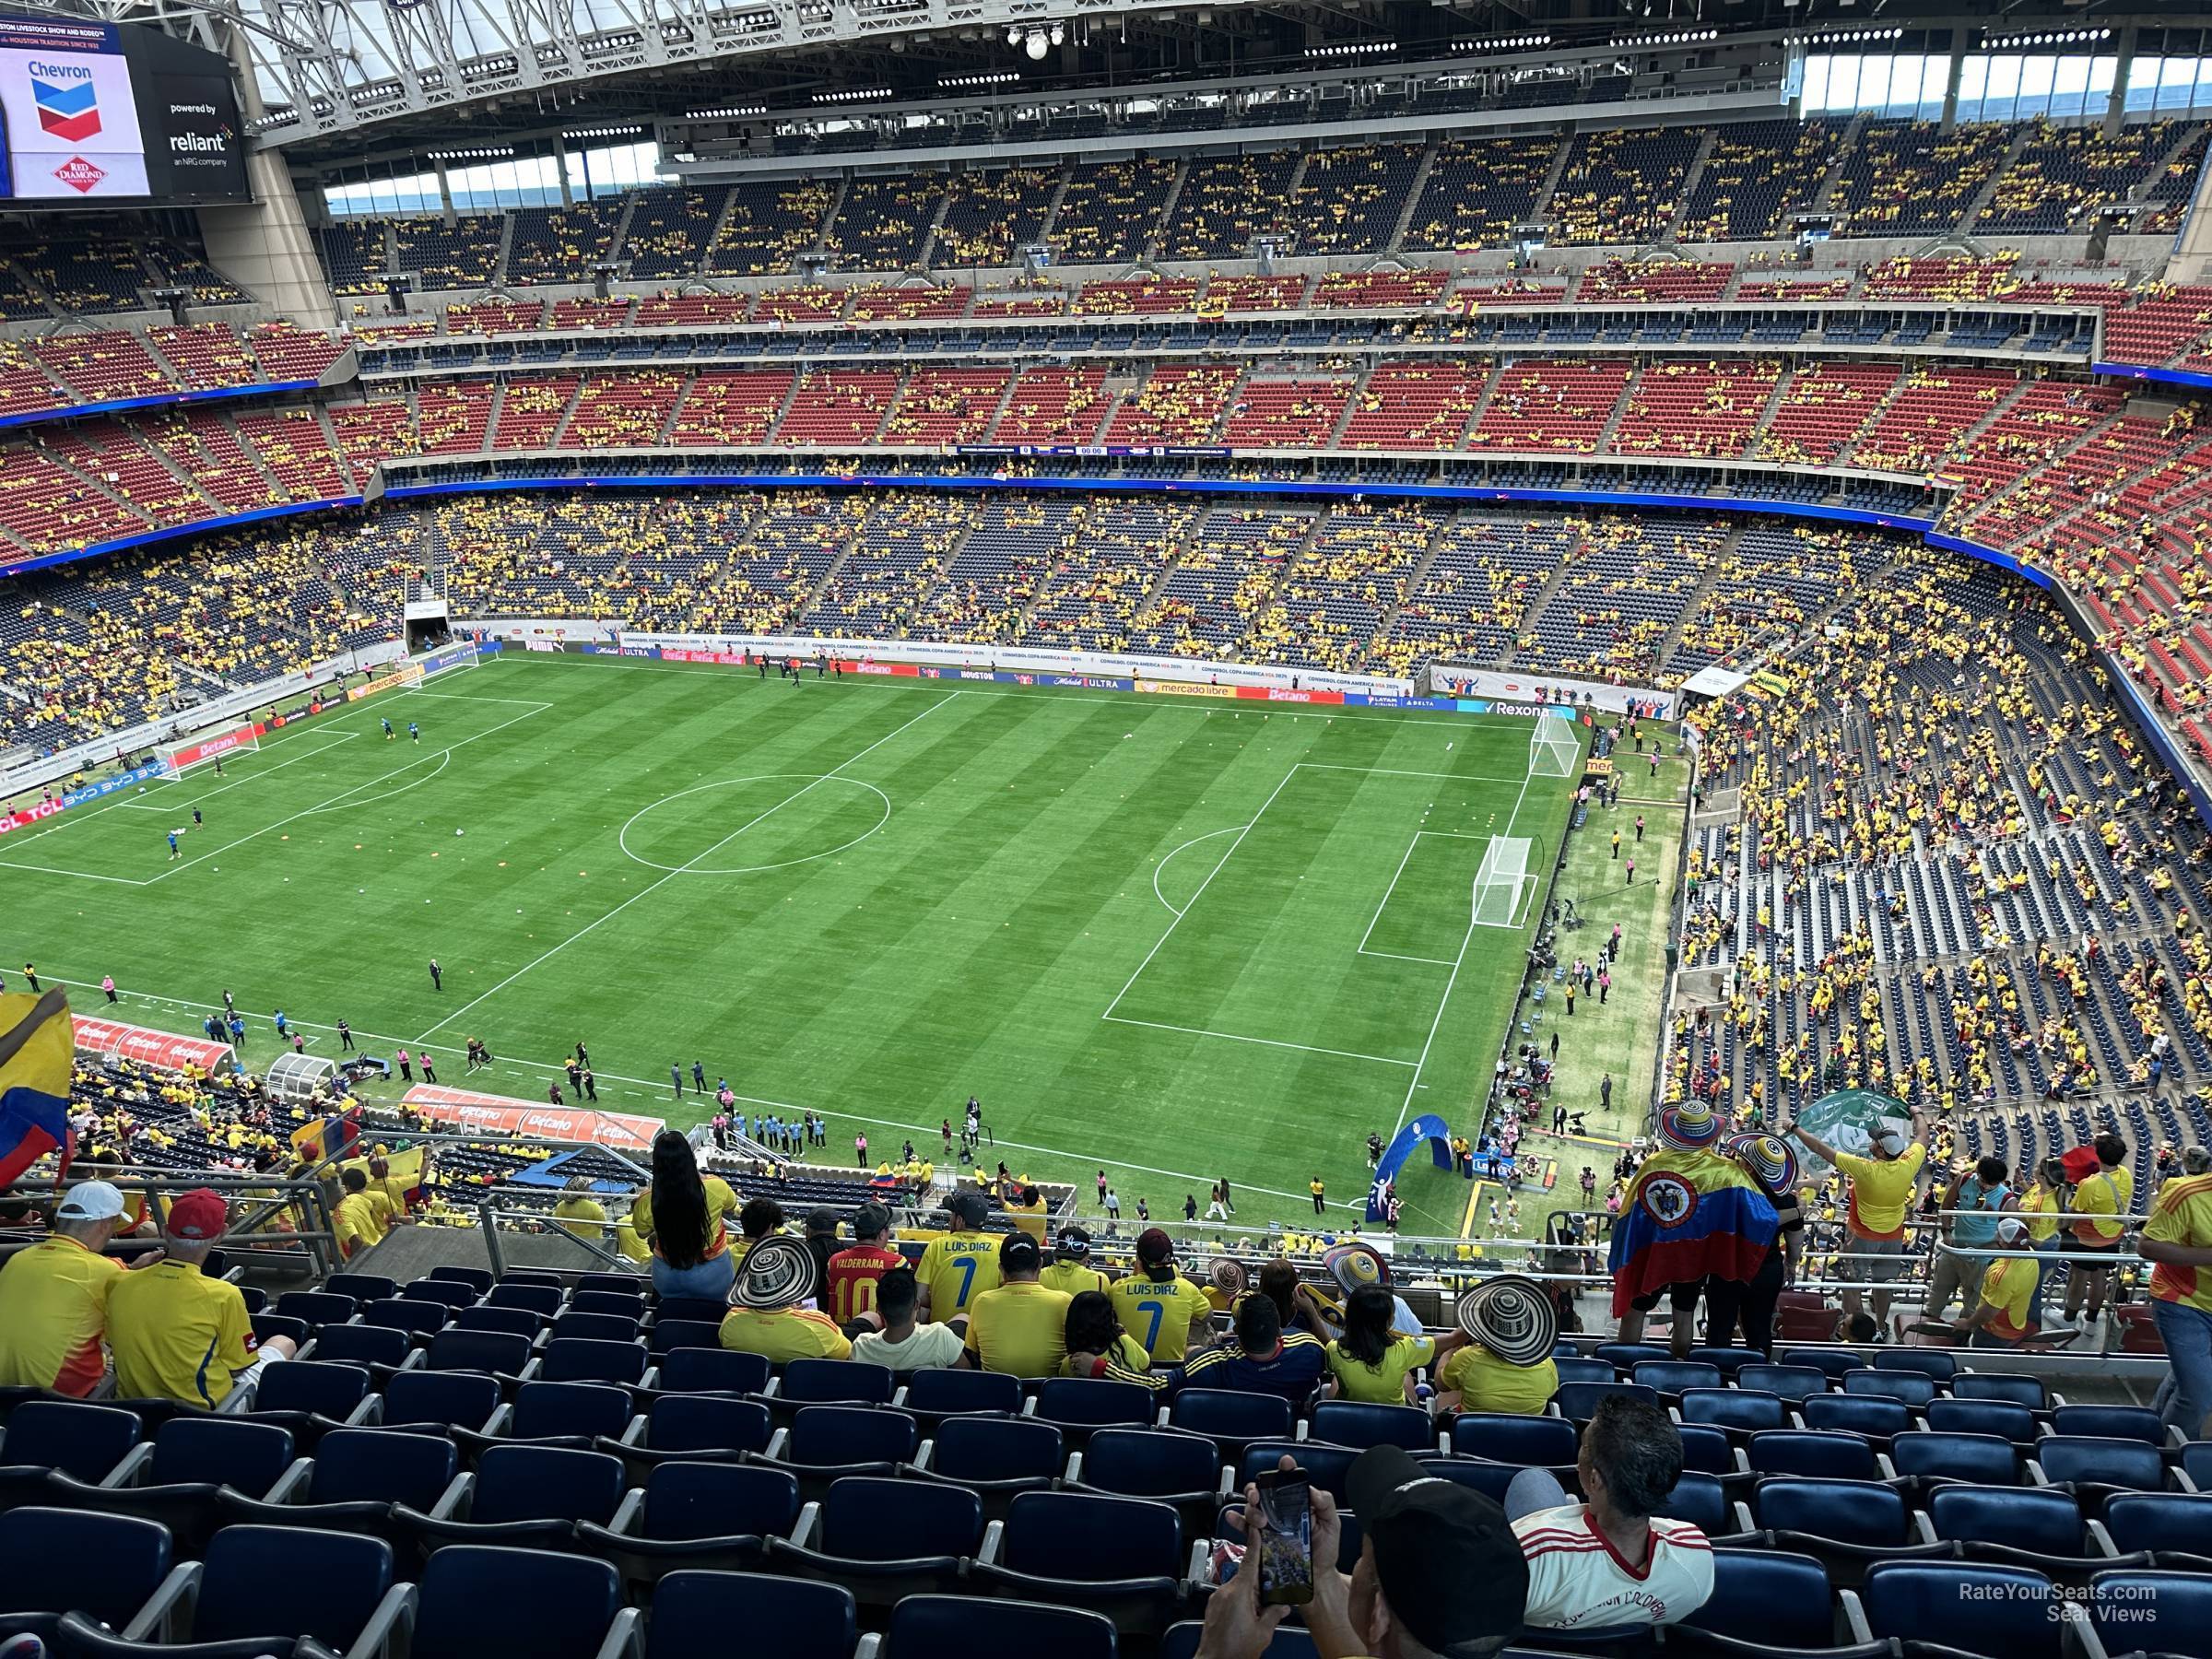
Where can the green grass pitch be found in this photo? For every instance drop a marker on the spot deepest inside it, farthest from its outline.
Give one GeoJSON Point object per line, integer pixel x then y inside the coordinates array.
{"type": "Point", "coordinates": [1180, 937]}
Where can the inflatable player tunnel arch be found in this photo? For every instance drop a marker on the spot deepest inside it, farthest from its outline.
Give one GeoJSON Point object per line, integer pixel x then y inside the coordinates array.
{"type": "Point", "coordinates": [1433, 1130]}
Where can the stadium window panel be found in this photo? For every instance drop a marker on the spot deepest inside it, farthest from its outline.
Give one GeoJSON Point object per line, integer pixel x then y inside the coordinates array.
{"type": "Point", "coordinates": [2038, 77]}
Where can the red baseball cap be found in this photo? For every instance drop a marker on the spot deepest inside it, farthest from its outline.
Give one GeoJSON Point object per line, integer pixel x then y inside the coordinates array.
{"type": "Point", "coordinates": [200, 1214]}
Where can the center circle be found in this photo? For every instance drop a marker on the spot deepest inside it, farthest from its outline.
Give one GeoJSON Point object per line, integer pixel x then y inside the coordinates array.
{"type": "Point", "coordinates": [778, 812]}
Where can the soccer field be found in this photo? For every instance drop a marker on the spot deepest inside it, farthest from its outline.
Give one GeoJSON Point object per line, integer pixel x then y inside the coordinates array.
{"type": "Point", "coordinates": [1180, 937]}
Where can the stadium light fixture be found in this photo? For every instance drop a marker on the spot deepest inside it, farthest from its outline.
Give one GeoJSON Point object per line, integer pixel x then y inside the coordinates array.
{"type": "Point", "coordinates": [851, 95]}
{"type": "Point", "coordinates": [956, 83]}
{"type": "Point", "coordinates": [732, 113]}
{"type": "Point", "coordinates": [1037, 46]}
{"type": "Point", "coordinates": [630, 131]}
{"type": "Point", "coordinates": [1343, 49]}
{"type": "Point", "coordinates": [486, 153]}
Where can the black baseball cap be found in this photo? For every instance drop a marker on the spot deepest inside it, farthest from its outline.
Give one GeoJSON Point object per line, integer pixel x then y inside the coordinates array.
{"type": "Point", "coordinates": [871, 1221]}
{"type": "Point", "coordinates": [1154, 1246]}
{"type": "Point", "coordinates": [1018, 1252]}
{"type": "Point", "coordinates": [971, 1207]}
{"type": "Point", "coordinates": [1446, 1558]}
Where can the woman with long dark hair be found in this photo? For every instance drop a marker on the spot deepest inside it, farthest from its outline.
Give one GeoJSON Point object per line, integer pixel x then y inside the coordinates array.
{"type": "Point", "coordinates": [681, 1214]}
{"type": "Point", "coordinates": [1373, 1361]}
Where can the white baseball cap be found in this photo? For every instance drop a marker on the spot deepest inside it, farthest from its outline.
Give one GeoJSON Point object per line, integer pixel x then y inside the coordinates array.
{"type": "Point", "coordinates": [90, 1201]}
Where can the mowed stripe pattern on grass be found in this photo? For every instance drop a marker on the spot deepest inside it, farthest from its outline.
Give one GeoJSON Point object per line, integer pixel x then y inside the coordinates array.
{"type": "Point", "coordinates": [972, 942]}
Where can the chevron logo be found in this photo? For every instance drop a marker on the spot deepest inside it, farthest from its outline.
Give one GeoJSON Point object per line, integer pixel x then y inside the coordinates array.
{"type": "Point", "coordinates": [66, 102]}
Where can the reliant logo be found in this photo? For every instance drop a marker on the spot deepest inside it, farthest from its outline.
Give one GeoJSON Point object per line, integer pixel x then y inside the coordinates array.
{"type": "Point", "coordinates": [67, 101]}
{"type": "Point", "coordinates": [79, 174]}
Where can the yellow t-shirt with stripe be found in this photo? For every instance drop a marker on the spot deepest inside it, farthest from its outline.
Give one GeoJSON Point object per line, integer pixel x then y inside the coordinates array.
{"type": "Point", "coordinates": [2099, 1202]}
{"type": "Point", "coordinates": [2183, 1215]}
{"type": "Point", "coordinates": [957, 1267]}
{"type": "Point", "coordinates": [177, 1335]}
{"type": "Point", "coordinates": [1159, 1312]}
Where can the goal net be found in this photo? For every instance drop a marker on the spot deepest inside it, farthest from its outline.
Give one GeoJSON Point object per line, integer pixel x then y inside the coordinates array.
{"type": "Point", "coordinates": [1554, 751]}
{"type": "Point", "coordinates": [1499, 879]}
{"type": "Point", "coordinates": [463, 655]}
{"type": "Point", "coordinates": [181, 757]}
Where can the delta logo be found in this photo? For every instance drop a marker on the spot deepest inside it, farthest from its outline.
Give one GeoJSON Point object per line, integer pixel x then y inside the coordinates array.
{"type": "Point", "coordinates": [67, 101]}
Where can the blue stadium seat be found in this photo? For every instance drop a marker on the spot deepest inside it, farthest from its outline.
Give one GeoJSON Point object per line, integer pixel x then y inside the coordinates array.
{"type": "Point", "coordinates": [479, 1279]}
{"type": "Point", "coordinates": [578, 1359]}
{"type": "Point", "coordinates": [2137, 1611]}
{"type": "Point", "coordinates": [835, 1382]}
{"type": "Point", "coordinates": [408, 1313]}
{"type": "Point", "coordinates": [317, 1307]}
{"type": "Point", "coordinates": [1998, 1612]}
{"type": "Point", "coordinates": [827, 1443]}
{"type": "Point", "coordinates": [1911, 1387]}
{"type": "Point", "coordinates": [542, 1299]}
{"type": "Point", "coordinates": [1847, 1526]}
{"type": "Point", "coordinates": [1707, 1449]}
{"type": "Point", "coordinates": [1792, 1382]}
{"type": "Point", "coordinates": [633, 1284]}
{"type": "Point", "coordinates": [2001, 1385]}
{"type": "Point", "coordinates": [692, 1427]}
{"type": "Point", "coordinates": [1671, 1377]}
{"type": "Point", "coordinates": [944, 1627]}
{"type": "Point", "coordinates": [1326, 1467]}
{"type": "Point", "coordinates": [1163, 1465]}
{"type": "Point", "coordinates": [1814, 1454]}
{"type": "Point", "coordinates": [1701, 1500]}
{"type": "Point", "coordinates": [2096, 1468]}
{"type": "Point", "coordinates": [694, 1613]}
{"type": "Point", "coordinates": [696, 1515]}
{"type": "Point", "coordinates": [173, 1480]}
{"type": "Point", "coordinates": [1121, 1557]}
{"type": "Point", "coordinates": [361, 1286]}
{"type": "Point", "coordinates": [1361, 1424]}
{"type": "Point", "coordinates": [585, 1298]}
{"type": "Point", "coordinates": [1531, 1442]}
{"type": "Point", "coordinates": [691, 1307]}
{"type": "Point", "coordinates": [475, 1600]}
{"type": "Point", "coordinates": [593, 1327]}
{"type": "Point", "coordinates": [1490, 1479]}
{"type": "Point", "coordinates": [1231, 1419]}
{"type": "Point", "coordinates": [2196, 1463]}
{"type": "Point", "coordinates": [1977, 1459]}
{"type": "Point", "coordinates": [2008, 1420]}
{"type": "Point", "coordinates": [1584, 1371]}
{"type": "Point", "coordinates": [1728, 1361]}
{"type": "Point", "coordinates": [441, 1400]}
{"type": "Point", "coordinates": [506, 1322]}
{"type": "Point", "coordinates": [257, 1591]}
{"type": "Point", "coordinates": [2111, 1422]}
{"type": "Point", "coordinates": [380, 1347]}
{"type": "Point", "coordinates": [81, 1441]}
{"type": "Point", "coordinates": [934, 1396]}
{"type": "Point", "coordinates": [1577, 1402]}
{"type": "Point", "coordinates": [2175, 1526]}
{"type": "Point", "coordinates": [995, 1458]}
{"type": "Point", "coordinates": [2036, 1527]}
{"type": "Point", "coordinates": [712, 1369]}
{"type": "Point", "coordinates": [884, 1540]}
{"type": "Point", "coordinates": [1735, 1410]}
{"type": "Point", "coordinates": [451, 1294]}
{"type": "Point", "coordinates": [1628, 1355]}
{"type": "Point", "coordinates": [569, 1412]}
{"type": "Point", "coordinates": [1763, 1602]}
{"type": "Point", "coordinates": [1078, 1404]}
{"type": "Point", "coordinates": [523, 1496]}
{"type": "Point", "coordinates": [107, 1567]}
{"type": "Point", "coordinates": [1877, 1420]}
{"type": "Point", "coordinates": [492, 1352]}
{"type": "Point", "coordinates": [1835, 1363]}
{"type": "Point", "coordinates": [307, 1399]}
{"type": "Point", "coordinates": [1288, 1642]}
{"type": "Point", "coordinates": [359, 1474]}
{"type": "Point", "coordinates": [668, 1335]}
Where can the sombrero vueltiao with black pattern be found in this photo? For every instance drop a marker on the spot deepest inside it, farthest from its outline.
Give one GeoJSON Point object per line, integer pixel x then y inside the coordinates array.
{"type": "Point", "coordinates": [1512, 1317]}
{"type": "Point", "coordinates": [777, 1273]}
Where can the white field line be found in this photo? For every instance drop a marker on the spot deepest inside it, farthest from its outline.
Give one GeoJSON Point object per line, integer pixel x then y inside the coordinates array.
{"type": "Point", "coordinates": [1303, 1048]}
{"type": "Point", "coordinates": [169, 802]}
{"type": "Point", "coordinates": [1195, 839]}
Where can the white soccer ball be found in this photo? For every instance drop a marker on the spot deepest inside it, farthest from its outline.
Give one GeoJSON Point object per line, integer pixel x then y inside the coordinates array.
{"type": "Point", "coordinates": [459, 832]}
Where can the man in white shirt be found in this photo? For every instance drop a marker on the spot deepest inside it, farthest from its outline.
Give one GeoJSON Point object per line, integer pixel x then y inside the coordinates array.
{"type": "Point", "coordinates": [901, 1344]}
{"type": "Point", "coordinates": [1607, 1563]}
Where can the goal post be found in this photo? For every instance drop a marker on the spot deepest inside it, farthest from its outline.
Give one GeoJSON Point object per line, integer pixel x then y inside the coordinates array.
{"type": "Point", "coordinates": [1554, 749]}
{"type": "Point", "coordinates": [1499, 880]}
{"type": "Point", "coordinates": [463, 655]}
{"type": "Point", "coordinates": [181, 757]}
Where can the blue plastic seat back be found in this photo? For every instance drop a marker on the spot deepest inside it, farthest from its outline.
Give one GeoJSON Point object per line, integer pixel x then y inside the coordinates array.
{"type": "Point", "coordinates": [712, 1369]}
{"type": "Point", "coordinates": [1701, 1500]}
{"type": "Point", "coordinates": [686, 1501]}
{"type": "Point", "coordinates": [216, 1450]}
{"type": "Point", "coordinates": [594, 1327]}
{"type": "Point", "coordinates": [378, 1466]}
{"type": "Point", "coordinates": [946, 1627]}
{"type": "Point", "coordinates": [1932, 1363]}
{"type": "Point", "coordinates": [543, 1300]}
{"type": "Point", "coordinates": [1488, 1478]}
{"type": "Point", "coordinates": [82, 1440]}
{"type": "Point", "coordinates": [828, 1435]}
{"type": "Point", "coordinates": [1818, 1454]}
{"type": "Point", "coordinates": [1578, 1401]}
{"type": "Point", "coordinates": [2029, 1518]}
{"type": "Point", "coordinates": [694, 1613]}
{"type": "Point", "coordinates": [361, 1344]}
{"type": "Point", "coordinates": [447, 1292]}
{"type": "Point", "coordinates": [635, 1286]}
{"type": "Point", "coordinates": [1548, 1441]}
{"type": "Point", "coordinates": [1093, 1401]}
{"type": "Point", "coordinates": [668, 1335]}
{"type": "Point", "coordinates": [2196, 1463]}
{"type": "Point", "coordinates": [1583, 1371]}
{"type": "Point", "coordinates": [1288, 1642]}
{"type": "Point", "coordinates": [1232, 1415]}
{"type": "Point", "coordinates": [2008, 1420]}
{"type": "Point", "coordinates": [1734, 1409]}
{"type": "Point", "coordinates": [361, 1286]}
{"type": "Point", "coordinates": [2100, 1462]}
{"type": "Point", "coordinates": [505, 1321]}
{"type": "Point", "coordinates": [1628, 1355]}
{"type": "Point", "coordinates": [2001, 1612]}
{"type": "Point", "coordinates": [479, 1279]}
{"type": "Point", "coordinates": [1672, 1376]}
{"type": "Point", "coordinates": [951, 1393]}
{"type": "Point", "coordinates": [408, 1313]}
{"type": "Point", "coordinates": [1770, 1597]}
{"type": "Point", "coordinates": [691, 1307]}
{"type": "Point", "coordinates": [1835, 1363]}
{"type": "Point", "coordinates": [77, 1561]}
{"type": "Point", "coordinates": [496, 1353]}
{"type": "Point", "coordinates": [1706, 1449]}
{"type": "Point", "coordinates": [2180, 1521]}
{"type": "Point", "coordinates": [707, 1423]}
{"type": "Point", "coordinates": [317, 1307]}
{"type": "Point", "coordinates": [1792, 1383]}
{"type": "Point", "coordinates": [1728, 1361]}
{"type": "Point", "coordinates": [1150, 1463]}
{"type": "Point", "coordinates": [2001, 1385]}
{"type": "Point", "coordinates": [1091, 1539]}
{"type": "Point", "coordinates": [286, 1581]}
{"type": "Point", "coordinates": [328, 1387]}
{"type": "Point", "coordinates": [996, 1448]}
{"type": "Point", "coordinates": [2153, 1612]}
{"type": "Point", "coordinates": [624, 1304]}
{"type": "Point", "coordinates": [1326, 1466]}
{"type": "Point", "coordinates": [1359, 1423]}
{"type": "Point", "coordinates": [1911, 1387]}
{"type": "Point", "coordinates": [577, 1359]}
{"type": "Point", "coordinates": [867, 1519]}
{"type": "Point", "coordinates": [837, 1381]}
{"type": "Point", "coordinates": [2110, 1422]}
{"type": "Point", "coordinates": [457, 1399]}
{"type": "Point", "coordinates": [1978, 1459]}
{"type": "Point", "coordinates": [1849, 1512]}
{"type": "Point", "coordinates": [478, 1600]}
{"type": "Point", "coordinates": [1855, 1416]}
{"type": "Point", "coordinates": [545, 1410]}
{"type": "Point", "coordinates": [546, 1483]}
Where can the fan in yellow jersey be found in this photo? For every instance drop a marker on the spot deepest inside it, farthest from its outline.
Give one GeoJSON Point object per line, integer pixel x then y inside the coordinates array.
{"type": "Point", "coordinates": [357, 1220]}
{"type": "Point", "coordinates": [2178, 1241]}
{"type": "Point", "coordinates": [178, 1334]}
{"type": "Point", "coordinates": [767, 1315]}
{"type": "Point", "coordinates": [1157, 1305]}
{"type": "Point", "coordinates": [1019, 1328]}
{"type": "Point", "coordinates": [53, 1296]}
{"type": "Point", "coordinates": [958, 1267]}
{"type": "Point", "coordinates": [1070, 1269]}
{"type": "Point", "coordinates": [2102, 1193]}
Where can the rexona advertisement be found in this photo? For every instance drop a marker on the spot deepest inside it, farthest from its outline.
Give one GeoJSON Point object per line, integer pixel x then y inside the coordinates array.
{"type": "Point", "coordinates": [98, 114]}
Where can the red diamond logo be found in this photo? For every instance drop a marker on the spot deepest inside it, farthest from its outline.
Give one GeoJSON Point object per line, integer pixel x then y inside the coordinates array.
{"type": "Point", "coordinates": [79, 174]}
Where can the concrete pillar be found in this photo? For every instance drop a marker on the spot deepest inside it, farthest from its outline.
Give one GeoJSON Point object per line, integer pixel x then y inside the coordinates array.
{"type": "Point", "coordinates": [561, 175]}
{"type": "Point", "coordinates": [445, 192]}
{"type": "Point", "coordinates": [1951, 80]}
{"type": "Point", "coordinates": [264, 246]}
{"type": "Point", "coordinates": [2115, 107]}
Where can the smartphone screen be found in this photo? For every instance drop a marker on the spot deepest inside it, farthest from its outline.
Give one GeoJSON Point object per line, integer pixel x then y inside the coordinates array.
{"type": "Point", "coordinates": [1285, 1540]}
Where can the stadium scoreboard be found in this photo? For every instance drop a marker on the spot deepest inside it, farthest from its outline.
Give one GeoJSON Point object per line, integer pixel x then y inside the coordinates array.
{"type": "Point", "coordinates": [101, 114]}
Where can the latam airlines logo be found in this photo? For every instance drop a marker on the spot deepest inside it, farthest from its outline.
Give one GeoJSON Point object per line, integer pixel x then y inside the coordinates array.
{"type": "Point", "coordinates": [67, 101]}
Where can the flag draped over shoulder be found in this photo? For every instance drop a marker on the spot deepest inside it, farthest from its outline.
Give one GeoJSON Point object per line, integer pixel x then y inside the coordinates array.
{"type": "Point", "coordinates": [1688, 1214]}
{"type": "Point", "coordinates": [34, 1082]}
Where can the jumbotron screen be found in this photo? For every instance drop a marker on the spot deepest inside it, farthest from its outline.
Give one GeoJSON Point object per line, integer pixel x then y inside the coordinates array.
{"type": "Point", "coordinates": [99, 114]}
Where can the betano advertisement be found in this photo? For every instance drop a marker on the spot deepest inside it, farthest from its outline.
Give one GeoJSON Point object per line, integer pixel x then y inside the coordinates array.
{"type": "Point", "coordinates": [114, 116]}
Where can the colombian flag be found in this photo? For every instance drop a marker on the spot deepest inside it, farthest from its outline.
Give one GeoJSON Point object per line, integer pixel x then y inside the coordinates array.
{"type": "Point", "coordinates": [1688, 1214]}
{"type": "Point", "coordinates": [36, 1053]}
